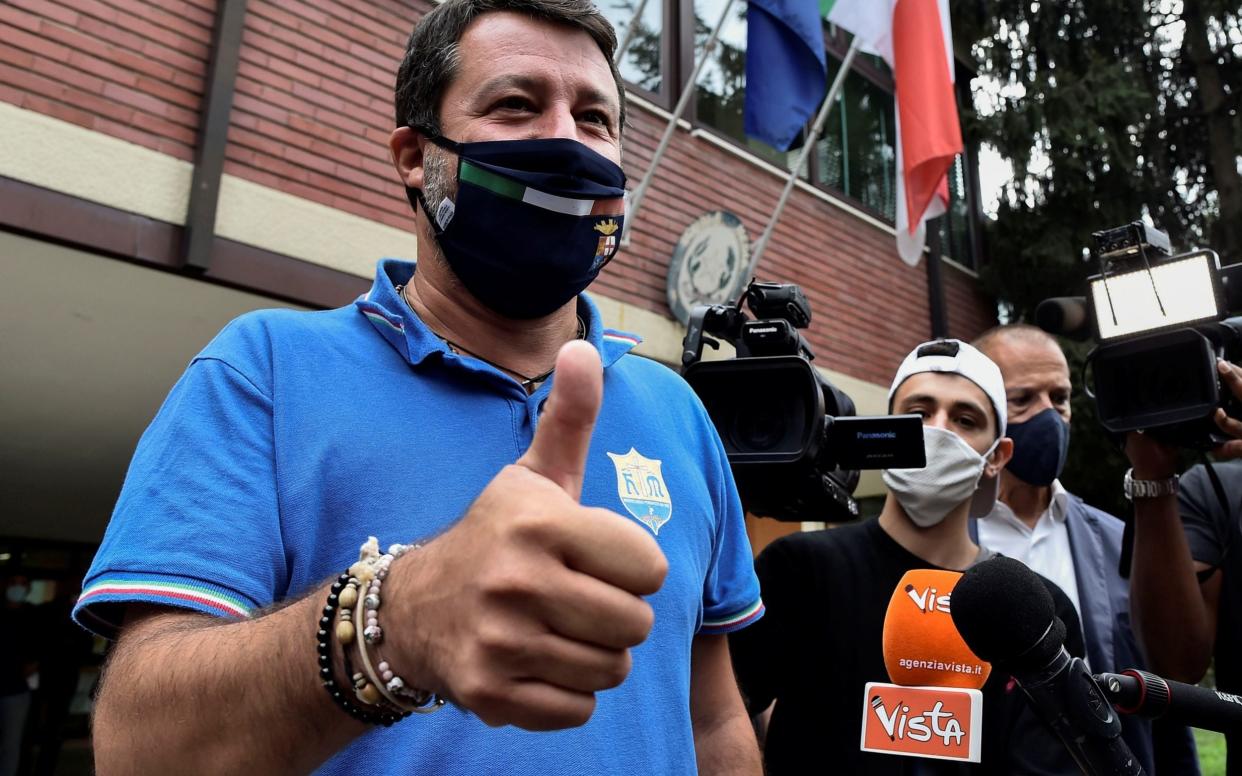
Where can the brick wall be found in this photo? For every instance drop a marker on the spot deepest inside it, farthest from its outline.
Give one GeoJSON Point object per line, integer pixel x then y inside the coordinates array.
{"type": "Point", "coordinates": [970, 311]}
{"type": "Point", "coordinates": [132, 69]}
{"type": "Point", "coordinates": [864, 299]}
{"type": "Point", "coordinates": [312, 114]}
{"type": "Point", "coordinates": [313, 108]}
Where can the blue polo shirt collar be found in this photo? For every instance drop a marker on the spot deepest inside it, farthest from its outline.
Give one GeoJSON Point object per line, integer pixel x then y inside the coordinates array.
{"type": "Point", "coordinates": [406, 332]}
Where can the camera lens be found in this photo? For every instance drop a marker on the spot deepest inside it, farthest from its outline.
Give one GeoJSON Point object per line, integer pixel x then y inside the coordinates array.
{"type": "Point", "coordinates": [765, 409]}
{"type": "Point", "coordinates": [759, 430]}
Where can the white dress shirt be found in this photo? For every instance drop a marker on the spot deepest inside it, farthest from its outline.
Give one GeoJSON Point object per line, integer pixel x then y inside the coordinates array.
{"type": "Point", "coordinates": [1044, 549]}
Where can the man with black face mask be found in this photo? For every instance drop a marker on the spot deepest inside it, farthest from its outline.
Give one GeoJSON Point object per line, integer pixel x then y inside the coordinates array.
{"type": "Point", "coordinates": [584, 547]}
{"type": "Point", "coordinates": [1035, 520]}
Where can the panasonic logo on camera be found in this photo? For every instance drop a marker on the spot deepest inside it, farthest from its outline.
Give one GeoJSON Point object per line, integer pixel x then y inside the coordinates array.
{"type": "Point", "coordinates": [764, 330]}
{"type": "Point", "coordinates": [877, 435]}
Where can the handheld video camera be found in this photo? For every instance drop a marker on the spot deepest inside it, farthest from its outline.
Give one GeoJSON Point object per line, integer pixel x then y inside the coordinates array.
{"type": "Point", "coordinates": [793, 442]}
{"type": "Point", "coordinates": [1160, 321]}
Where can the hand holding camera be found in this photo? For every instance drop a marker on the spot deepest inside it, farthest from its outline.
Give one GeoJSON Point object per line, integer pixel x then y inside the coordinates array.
{"type": "Point", "coordinates": [1231, 377]}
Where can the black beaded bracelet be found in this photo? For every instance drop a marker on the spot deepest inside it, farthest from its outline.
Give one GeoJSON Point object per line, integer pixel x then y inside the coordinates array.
{"type": "Point", "coordinates": [323, 640]}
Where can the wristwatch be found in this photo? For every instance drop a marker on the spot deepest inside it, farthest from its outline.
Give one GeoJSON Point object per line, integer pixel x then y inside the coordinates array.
{"type": "Point", "coordinates": [1148, 488]}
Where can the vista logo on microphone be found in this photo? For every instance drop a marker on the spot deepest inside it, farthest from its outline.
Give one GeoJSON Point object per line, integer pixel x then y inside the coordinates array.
{"type": "Point", "coordinates": [927, 600]}
{"type": "Point", "coordinates": [938, 722]}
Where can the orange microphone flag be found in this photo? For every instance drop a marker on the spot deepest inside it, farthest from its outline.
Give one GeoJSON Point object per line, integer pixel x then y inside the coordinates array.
{"type": "Point", "coordinates": [921, 644]}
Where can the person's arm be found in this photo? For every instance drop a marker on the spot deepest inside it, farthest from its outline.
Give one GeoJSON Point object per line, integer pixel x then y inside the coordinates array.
{"type": "Point", "coordinates": [1166, 596]}
{"type": "Point", "coordinates": [1174, 616]}
{"type": "Point", "coordinates": [519, 613]}
{"type": "Point", "coordinates": [189, 692]}
{"type": "Point", "coordinates": [724, 740]}
{"type": "Point", "coordinates": [765, 652]}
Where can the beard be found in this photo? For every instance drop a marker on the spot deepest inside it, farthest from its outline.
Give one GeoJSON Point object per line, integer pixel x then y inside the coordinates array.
{"type": "Point", "coordinates": [439, 183]}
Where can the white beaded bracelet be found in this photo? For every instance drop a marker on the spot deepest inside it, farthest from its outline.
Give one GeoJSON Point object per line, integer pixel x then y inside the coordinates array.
{"type": "Point", "coordinates": [371, 571]}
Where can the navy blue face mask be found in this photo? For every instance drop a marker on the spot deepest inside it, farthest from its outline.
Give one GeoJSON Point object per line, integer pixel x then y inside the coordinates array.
{"type": "Point", "coordinates": [533, 223]}
{"type": "Point", "coordinates": [1039, 448]}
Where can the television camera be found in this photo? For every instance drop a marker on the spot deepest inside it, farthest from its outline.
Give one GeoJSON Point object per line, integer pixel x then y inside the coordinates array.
{"type": "Point", "coordinates": [793, 441]}
{"type": "Point", "coordinates": [1160, 322]}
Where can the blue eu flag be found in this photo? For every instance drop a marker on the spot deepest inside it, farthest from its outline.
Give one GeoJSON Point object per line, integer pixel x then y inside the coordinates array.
{"type": "Point", "coordinates": [786, 73]}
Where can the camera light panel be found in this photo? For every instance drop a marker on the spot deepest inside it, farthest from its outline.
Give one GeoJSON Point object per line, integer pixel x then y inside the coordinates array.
{"type": "Point", "coordinates": [1126, 303]}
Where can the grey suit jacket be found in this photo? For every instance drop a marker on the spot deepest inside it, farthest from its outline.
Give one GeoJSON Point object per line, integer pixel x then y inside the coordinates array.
{"type": "Point", "coordinates": [1104, 601]}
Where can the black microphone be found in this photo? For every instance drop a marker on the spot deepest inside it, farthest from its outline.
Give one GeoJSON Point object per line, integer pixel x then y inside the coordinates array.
{"type": "Point", "coordinates": [1066, 316]}
{"type": "Point", "coordinates": [1007, 617]}
{"type": "Point", "coordinates": [1147, 695]}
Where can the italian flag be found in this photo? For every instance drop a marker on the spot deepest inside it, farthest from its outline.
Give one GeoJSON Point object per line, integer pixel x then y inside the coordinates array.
{"type": "Point", "coordinates": [506, 187]}
{"type": "Point", "coordinates": [914, 38]}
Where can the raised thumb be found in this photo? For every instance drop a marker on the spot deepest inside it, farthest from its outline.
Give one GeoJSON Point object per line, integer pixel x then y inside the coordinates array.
{"type": "Point", "coordinates": [563, 436]}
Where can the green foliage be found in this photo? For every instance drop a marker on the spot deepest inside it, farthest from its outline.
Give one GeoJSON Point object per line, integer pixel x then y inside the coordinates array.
{"type": "Point", "coordinates": [1211, 747]}
{"type": "Point", "coordinates": [1108, 110]}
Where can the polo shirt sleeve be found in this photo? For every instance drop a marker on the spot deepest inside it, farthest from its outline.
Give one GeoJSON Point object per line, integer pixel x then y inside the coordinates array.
{"type": "Point", "coordinates": [731, 589]}
{"type": "Point", "coordinates": [1203, 521]}
{"type": "Point", "coordinates": [197, 523]}
{"type": "Point", "coordinates": [763, 654]}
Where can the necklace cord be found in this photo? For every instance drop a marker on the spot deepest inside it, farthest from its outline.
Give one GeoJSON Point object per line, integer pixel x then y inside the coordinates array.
{"type": "Point", "coordinates": [523, 380]}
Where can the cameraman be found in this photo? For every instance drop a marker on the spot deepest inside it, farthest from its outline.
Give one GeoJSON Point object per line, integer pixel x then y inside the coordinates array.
{"type": "Point", "coordinates": [1186, 578]}
{"type": "Point", "coordinates": [827, 591]}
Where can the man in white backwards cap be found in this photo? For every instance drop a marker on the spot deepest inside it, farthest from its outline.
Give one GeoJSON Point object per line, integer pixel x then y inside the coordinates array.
{"type": "Point", "coordinates": [827, 592]}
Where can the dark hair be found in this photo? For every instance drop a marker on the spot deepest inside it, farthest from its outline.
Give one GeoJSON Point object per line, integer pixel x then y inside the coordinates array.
{"type": "Point", "coordinates": [432, 59]}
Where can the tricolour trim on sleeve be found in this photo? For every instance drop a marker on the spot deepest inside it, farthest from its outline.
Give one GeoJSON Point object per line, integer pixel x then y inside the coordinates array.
{"type": "Point", "coordinates": [168, 591]}
{"type": "Point", "coordinates": [735, 621]}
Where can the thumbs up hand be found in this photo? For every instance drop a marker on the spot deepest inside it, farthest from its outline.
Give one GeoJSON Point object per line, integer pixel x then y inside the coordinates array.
{"type": "Point", "coordinates": [529, 605]}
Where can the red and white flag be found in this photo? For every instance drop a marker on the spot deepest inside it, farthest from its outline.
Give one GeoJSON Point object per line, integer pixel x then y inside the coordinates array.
{"type": "Point", "coordinates": [914, 38]}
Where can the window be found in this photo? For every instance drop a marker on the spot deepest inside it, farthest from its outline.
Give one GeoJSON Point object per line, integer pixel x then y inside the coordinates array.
{"type": "Point", "coordinates": [955, 225]}
{"type": "Point", "coordinates": [643, 62]}
{"type": "Point", "coordinates": [856, 154]}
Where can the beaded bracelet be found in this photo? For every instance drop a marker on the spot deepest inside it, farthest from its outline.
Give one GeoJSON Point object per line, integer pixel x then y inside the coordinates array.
{"type": "Point", "coordinates": [323, 640]}
{"type": "Point", "coordinates": [392, 687]}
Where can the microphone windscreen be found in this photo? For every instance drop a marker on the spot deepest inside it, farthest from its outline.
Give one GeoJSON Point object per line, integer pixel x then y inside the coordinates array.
{"type": "Point", "coordinates": [921, 644]}
{"type": "Point", "coordinates": [1064, 315]}
{"type": "Point", "coordinates": [1002, 609]}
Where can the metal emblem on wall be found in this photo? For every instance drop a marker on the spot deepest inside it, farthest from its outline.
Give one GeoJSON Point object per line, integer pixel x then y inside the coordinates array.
{"type": "Point", "coordinates": [709, 263]}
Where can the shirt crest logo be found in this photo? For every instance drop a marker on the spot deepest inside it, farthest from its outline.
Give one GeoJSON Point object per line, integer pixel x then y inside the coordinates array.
{"type": "Point", "coordinates": [640, 485]}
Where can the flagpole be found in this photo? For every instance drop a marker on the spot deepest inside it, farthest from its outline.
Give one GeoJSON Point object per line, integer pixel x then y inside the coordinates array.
{"type": "Point", "coordinates": [630, 29]}
{"type": "Point", "coordinates": [811, 137]}
{"type": "Point", "coordinates": [636, 201]}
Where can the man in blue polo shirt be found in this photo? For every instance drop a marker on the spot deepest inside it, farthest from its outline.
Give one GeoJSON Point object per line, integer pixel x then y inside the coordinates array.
{"type": "Point", "coordinates": [584, 551]}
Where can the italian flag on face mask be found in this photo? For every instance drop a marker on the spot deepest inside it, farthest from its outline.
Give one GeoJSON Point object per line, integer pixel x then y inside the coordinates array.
{"type": "Point", "coordinates": [505, 187]}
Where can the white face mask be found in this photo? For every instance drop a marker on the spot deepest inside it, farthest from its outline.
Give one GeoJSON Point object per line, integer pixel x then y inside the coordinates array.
{"type": "Point", "coordinates": [950, 478]}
